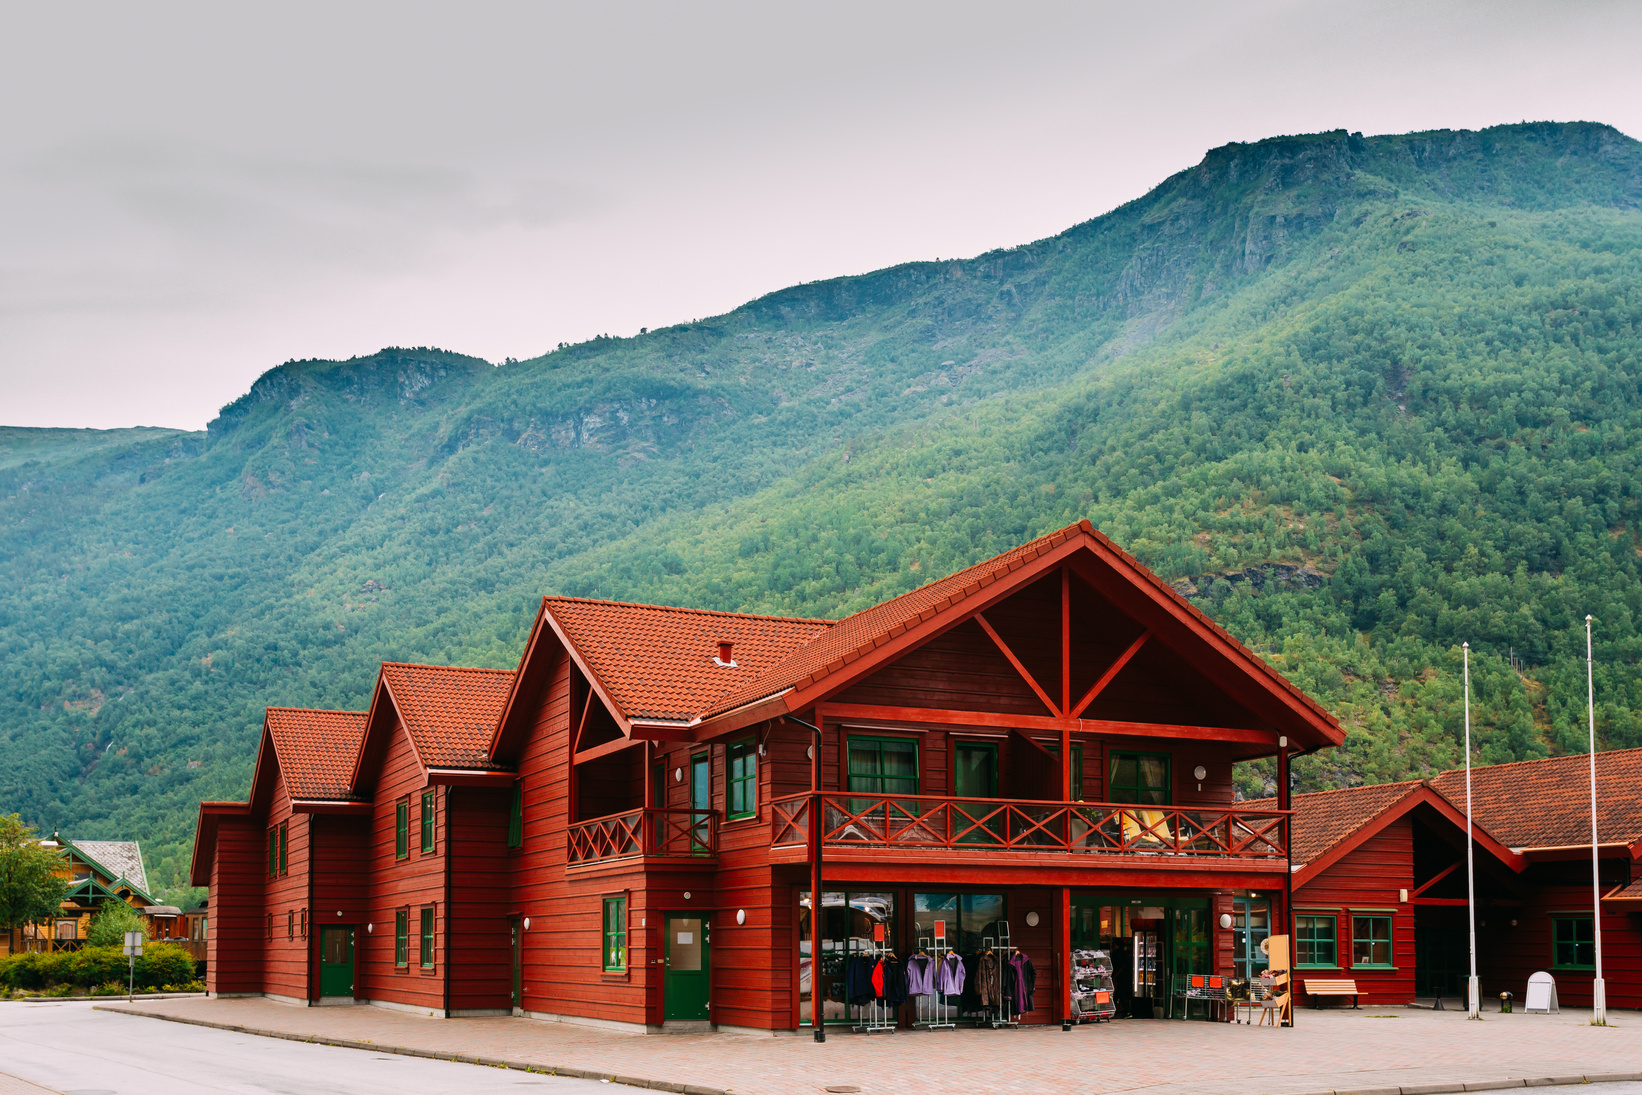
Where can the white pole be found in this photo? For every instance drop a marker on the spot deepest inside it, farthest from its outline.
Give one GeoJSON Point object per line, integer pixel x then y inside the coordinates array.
{"type": "Point", "coordinates": [1599, 990]}
{"type": "Point", "coordinates": [1473, 992]}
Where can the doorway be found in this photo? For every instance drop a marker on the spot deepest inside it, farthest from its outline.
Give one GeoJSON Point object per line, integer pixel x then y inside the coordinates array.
{"type": "Point", "coordinates": [687, 982]}
{"type": "Point", "coordinates": [516, 941]}
{"type": "Point", "coordinates": [1251, 924]}
{"type": "Point", "coordinates": [336, 961]}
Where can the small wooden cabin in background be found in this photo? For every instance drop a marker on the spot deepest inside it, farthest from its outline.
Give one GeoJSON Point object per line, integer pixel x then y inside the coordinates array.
{"type": "Point", "coordinates": [98, 871]}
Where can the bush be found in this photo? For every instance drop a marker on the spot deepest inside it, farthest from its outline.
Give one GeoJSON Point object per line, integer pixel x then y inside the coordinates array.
{"type": "Point", "coordinates": [110, 923]}
{"type": "Point", "coordinates": [162, 965]}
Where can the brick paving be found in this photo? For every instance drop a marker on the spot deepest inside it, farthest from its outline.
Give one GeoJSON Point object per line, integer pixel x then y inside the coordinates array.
{"type": "Point", "coordinates": [1386, 1049]}
{"type": "Point", "coordinates": [11, 1085]}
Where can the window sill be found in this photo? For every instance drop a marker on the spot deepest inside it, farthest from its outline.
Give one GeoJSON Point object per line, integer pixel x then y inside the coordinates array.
{"type": "Point", "coordinates": [615, 975]}
{"type": "Point", "coordinates": [1574, 969]}
{"type": "Point", "coordinates": [739, 818]}
{"type": "Point", "coordinates": [1318, 968]}
{"type": "Point", "coordinates": [1376, 969]}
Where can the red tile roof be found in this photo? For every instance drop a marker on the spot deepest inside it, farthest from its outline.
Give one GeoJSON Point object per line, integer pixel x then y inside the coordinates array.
{"type": "Point", "coordinates": [316, 750]}
{"type": "Point", "coordinates": [450, 711]}
{"type": "Point", "coordinates": [1324, 818]}
{"type": "Point", "coordinates": [1547, 803]}
{"type": "Point", "coordinates": [657, 662]}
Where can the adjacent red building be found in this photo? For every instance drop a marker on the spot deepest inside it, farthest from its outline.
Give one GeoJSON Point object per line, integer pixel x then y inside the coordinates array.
{"type": "Point", "coordinates": [1380, 882]}
{"type": "Point", "coordinates": [1032, 755]}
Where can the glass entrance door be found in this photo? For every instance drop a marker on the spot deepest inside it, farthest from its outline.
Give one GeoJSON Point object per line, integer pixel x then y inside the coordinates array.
{"type": "Point", "coordinates": [336, 960]}
{"type": "Point", "coordinates": [1251, 924]}
{"type": "Point", "coordinates": [975, 770]}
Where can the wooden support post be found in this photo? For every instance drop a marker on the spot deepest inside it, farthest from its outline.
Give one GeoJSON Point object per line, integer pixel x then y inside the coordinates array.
{"type": "Point", "coordinates": [1284, 803]}
{"type": "Point", "coordinates": [1065, 683]}
{"type": "Point", "coordinates": [818, 1010]}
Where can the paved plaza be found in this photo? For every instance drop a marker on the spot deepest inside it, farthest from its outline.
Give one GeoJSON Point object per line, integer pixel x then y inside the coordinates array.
{"type": "Point", "coordinates": [1392, 1050]}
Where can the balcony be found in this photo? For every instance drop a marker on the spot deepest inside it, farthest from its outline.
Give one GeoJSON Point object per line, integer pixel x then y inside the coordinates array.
{"type": "Point", "coordinates": [644, 834]}
{"type": "Point", "coordinates": [920, 824]}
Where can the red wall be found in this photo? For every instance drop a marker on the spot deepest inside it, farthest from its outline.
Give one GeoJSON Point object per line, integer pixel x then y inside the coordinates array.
{"type": "Point", "coordinates": [1508, 954]}
{"type": "Point", "coordinates": [1368, 878]}
{"type": "Point", "coordinates": [234, 943]}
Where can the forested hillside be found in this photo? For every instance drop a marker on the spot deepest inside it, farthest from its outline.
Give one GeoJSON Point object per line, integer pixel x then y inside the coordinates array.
{"type": "Point", "coordinates": [1362, 399]}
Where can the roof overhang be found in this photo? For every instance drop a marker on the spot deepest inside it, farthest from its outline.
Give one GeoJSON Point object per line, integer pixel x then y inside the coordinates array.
{"type": "Point", "coordinates": [1424, 795]}
{"type": "Point", "coordinates": [469, 777]}
{"type": "Point", "coordinates": [205, 837]}
{"type": "Point", "coordinates": [329, 806]}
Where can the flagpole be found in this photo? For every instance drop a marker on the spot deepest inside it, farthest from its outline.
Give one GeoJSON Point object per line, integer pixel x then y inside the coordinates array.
{"type": "Point", "coordinates": [1599, 990]}
{"type": "Point", "coordinates": [1473, 992]}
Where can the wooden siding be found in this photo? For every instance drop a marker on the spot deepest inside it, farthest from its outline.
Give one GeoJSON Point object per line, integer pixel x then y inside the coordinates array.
{"type": "Point", "coordinates": [341, 883]}
{"type": "Point", "coordinates": [1368, 878]}
{"type": "Point", "coordinates": [476, 947]}
{"type": "Point", "coordinates": [400, 885]}
{"type": "Point", "coordinates": [234, 945]}
{"type": "Point", "coordinates": [1508, 954]}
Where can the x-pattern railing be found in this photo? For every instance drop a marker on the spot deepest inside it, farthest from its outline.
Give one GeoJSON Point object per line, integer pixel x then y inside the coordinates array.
{"type": "Point", "coordinates": [908, 821]}
{"type": "Point", "coordinates": [648, 832]}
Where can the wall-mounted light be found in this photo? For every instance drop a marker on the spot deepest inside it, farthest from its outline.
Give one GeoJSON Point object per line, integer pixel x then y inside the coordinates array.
{"type": "Point", "coordinates": [1402, 897]}
{"type": "Point", "coordinates": [809, 752]}
{"type": "Point", "coordinates": [339, 912]}
{"type": "Point", "coordinates": [686, 895]}
{"type": "Point", "coordinates": [369, 928]}
{"type": "Point", "coordinates": [1200, 773]}
{"type": "Point", "coordinates": [527, 923]}
{"type": "Point", "coordinates": [1032, 919]}
{"type": "Point", "coordinates": [1225, 921]}
{"type": "Point", "coordinates": [760, 748]}
{"type": "Point", "coordinates": [678, 775]}
{"type": "Point", "coordinates": [741, 916]}
{"type": "Point", "coordinates": [1513, 923]}
{"type": "Point", "coordinates": [1283, 742]}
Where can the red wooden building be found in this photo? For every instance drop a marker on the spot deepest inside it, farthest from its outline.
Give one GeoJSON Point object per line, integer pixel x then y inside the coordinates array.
{"type": "Point", "coordinates": [1380, 881]}
{"type": "Point", "coordinates": [1035, 752]}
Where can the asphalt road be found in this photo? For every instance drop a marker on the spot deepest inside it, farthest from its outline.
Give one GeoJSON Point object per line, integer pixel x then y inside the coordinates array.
{"type": "Point", "coordinates": [69, 1048]}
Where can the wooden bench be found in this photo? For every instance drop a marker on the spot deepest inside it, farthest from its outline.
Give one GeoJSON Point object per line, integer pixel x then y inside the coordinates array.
{"type": "Point", "coordinates": [1317, 988]}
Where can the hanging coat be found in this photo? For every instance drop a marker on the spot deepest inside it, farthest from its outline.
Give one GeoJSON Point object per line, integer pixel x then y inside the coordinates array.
{"type": "Point", "coordinates": [949, 975]}
{"type": "Point", "coordinates": [895, 983]}
{"type": "Point", "coordinates": [1020, 981]}
{"type": "Point", "coordinates": [988, 980]}
{"type": "Point", "coordinates": [920, 975]}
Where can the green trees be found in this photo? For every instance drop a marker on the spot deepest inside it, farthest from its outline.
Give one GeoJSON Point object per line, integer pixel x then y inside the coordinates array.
{"type": "Point", "coordinates": [30, 888]}
{"type": "Point", "coordinates": [110, 923]}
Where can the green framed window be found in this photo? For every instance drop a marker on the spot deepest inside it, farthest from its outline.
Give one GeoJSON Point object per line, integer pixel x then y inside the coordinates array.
{"type": "Point", "coordinates": [284, 864]}
{"type": "Point", "coordinates": [742, 764]}
{"type": "Point", "coordinates": [401, 829]}
{"type": "Point", "coordinates": [883, 765]}
{"type": "Point", "coordinates": [273, 852]}
{"type": "Point", "coordinates": [1371, 941]}
{"type": "Point", "coordinates": [1141, 778]}
{"type": "Point", "coordinates": [615, 933]}
{"type": "Point", "coordinates": [401, 953]}
{"type": "Point", "coordinates": [516, 817]}
{"type": "Point", "coordinates": [427, 938]}
{"type": "Point", "coordinates": [1573, 943]}
{"type": "Point", "coordinates": [427, 821]}
{"type": "Point", "coordinates": [1316, 944]}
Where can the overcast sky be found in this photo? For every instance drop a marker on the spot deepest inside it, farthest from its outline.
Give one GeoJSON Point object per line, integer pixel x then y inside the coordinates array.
{"type": "Point", "coordinates": [191, 194]}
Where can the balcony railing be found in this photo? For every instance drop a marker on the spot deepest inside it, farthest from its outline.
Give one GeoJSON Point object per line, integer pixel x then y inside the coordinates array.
{"type": "Point", "coordinates": [647, 832]}
{"type": "Point", "coordinates": [896, 822]}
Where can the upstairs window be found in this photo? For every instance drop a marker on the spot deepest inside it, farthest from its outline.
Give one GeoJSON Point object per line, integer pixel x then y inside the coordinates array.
{"type": "Point", "coordinates": [743, 779]}
{"type": "Point", "coordinates": [401, 829]}
{"type": "Point", "coordinates": [516, 817]}
{"type": "Point", "coordinates": [883, 765]}
{"type": "Point", "coordinates": [1573, 943]}
{"type": "Point", "coordinates": [283, 865]}
{"type": "Point", "coordinates": [401, 954]}
{"type": "Point", "coordinates": [273, 852]}
{"type": "Point", "coordinates": [1140, 778]}
{"type": "Point", "coordinates": [427, 821]}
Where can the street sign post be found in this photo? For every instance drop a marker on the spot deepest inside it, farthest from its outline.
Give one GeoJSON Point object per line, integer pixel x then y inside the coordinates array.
{"type": "Point", "coordinates": [133, 948]}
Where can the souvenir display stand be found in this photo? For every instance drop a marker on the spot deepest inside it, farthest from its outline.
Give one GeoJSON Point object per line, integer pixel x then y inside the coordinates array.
{"type": "Point", "coordinates": [1208, 988]}
{"type": "Point", "coordinates": [1094, 997]}
{"type": "Point", "coordinates": [1147, 983]}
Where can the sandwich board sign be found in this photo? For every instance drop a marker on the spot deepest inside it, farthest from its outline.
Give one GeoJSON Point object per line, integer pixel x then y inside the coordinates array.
{"type": "Point", "coordinates": [1542, 994]}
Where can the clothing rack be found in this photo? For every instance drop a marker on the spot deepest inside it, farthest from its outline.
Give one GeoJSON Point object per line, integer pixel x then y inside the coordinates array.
{"type": "Point", "coordinates": [876, 1015]}
{"type": "Point", "coordinates": [1000, 1013]}
{"type": "Point", "coordinates": [932, 1010]}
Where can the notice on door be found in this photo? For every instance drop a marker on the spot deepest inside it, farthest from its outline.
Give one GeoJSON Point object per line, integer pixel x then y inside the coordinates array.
{"type": "Point", "coordinates": [686, 938]}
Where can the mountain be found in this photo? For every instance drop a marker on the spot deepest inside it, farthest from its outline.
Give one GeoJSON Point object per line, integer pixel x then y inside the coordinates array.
{"type": "Point", "coordinates": [1361, 398]}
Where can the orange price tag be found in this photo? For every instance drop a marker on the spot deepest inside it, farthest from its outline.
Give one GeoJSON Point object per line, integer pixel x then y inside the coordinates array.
{"type": "Point", "coordinates": [878, 933]}
{"type": "Point", "coordinates": [940, 929]}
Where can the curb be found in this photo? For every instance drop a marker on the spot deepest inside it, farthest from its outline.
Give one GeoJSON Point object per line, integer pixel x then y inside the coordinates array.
{"type": "Point", "coordinates": [1483, 1085]}
{"type": "Point", "coordinates": [459, 1058]}
{"type": "Point", "coordinates": [108, 999]}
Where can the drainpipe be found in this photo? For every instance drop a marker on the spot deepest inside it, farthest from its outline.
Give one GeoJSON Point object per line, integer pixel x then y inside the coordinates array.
{"type": "Point", "coordinates": [450, 794]}
{"type": "Point", "coordinates": [818, 1020]}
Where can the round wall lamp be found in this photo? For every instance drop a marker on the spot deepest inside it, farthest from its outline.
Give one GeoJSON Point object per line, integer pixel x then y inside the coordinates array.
{"type": "Point", "coordinates": [527, 923]}
{"type": "Point", "coordinates": [741, 916]}
{"type": "Point", "coordinates": [1225, 921]}
{"type": "Point", "coordinates": [678, 775]}
{"type": "Point", "coordinates": [686, 895]}
{"type": "Point", "coordinates": [369, 928]}
{"type": "Point", "coordinates": [809, 751]}
{"type": "Point", "coordinates": [339, 912]}
{"type": "Point", "coordinates": [1199, 772]}
{"type": "Point", "coordinates": [1032, 919]}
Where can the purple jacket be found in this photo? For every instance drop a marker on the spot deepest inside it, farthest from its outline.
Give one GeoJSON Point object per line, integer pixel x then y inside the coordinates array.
{"type": "Point", "coordinates": [949, 975]}
{"type": "Point", "coordinates": [920, 975]}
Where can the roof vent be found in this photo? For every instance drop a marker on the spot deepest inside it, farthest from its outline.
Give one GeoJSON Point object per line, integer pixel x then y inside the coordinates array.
{"type": "Point", "coordinates": [726, 657]}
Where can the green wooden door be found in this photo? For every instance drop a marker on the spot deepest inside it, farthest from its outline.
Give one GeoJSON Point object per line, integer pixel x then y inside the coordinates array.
{"type": "Point", "coordinates": [336, 961]}
{"type": "Point", "coordinates": [687, 984]}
